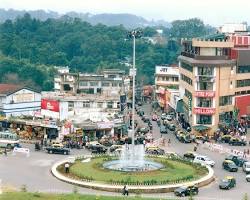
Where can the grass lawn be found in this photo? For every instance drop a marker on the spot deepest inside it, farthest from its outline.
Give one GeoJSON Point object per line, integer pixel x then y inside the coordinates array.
{"type": "Point", "coordinates": [42, 196]}
{"type": "Point", "coordinates": [173, 171]}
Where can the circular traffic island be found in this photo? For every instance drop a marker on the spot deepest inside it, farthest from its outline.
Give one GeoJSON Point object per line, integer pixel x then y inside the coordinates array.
{"type": "Point", "coordinates": [163, 175]}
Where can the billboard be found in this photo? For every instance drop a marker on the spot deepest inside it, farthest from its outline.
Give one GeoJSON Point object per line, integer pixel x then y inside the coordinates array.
{"type": "Point", "coordinates": [51, 105]}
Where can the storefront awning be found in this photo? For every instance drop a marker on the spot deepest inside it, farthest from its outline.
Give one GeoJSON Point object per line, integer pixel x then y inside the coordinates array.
{"type": "Point", "coordinates": [180, 106]}
{"type": "Point", "coordinates": [200, 128]}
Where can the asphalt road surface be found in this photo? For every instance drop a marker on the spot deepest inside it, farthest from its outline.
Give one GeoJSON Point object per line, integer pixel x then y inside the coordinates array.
{"type": "Point", "coordinates": [34, 171]}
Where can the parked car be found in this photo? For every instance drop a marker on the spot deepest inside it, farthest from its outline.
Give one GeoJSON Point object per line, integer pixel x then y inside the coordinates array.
{"type": "Point", "coordinates": [163, 129]}
{"type": "Point", "coordinates": [169, 117]}
{"type": "Point", "coordinates": [248, 178]}
{"type": "Point", "coordinates": [190, 155]}
{"type": "Point", "coordinates": [154, 117]}
{"type": "Point", "coordinates": [201, 138]}
{"type": "Point", "coordinates": [226, 138]}
{"type": "Point", "coordinates": [155, 151]}
{"type": "Point", "coordinates": [237, 142]}
{"type": "Point", "coordinates": [204, 160]}
{"type": "Point", "coordinates": [184, 138]}
{"type": "Point", "coordinates": [246, 167]}
{"type": "Point", "coordinates": [139, 103]}
{"type": "Point", "coordinates": [141, 113]}
{"type": "Point", "coordinates": [236, 159]}
{"type": "Point", "coordinates": [92, 143]}
{"type": "Point", "coordinates": [57, 150]}
{"type": "Point", "coordinates": [99, 149]}
{"type": "Point", "coordinates": [229, 166]}
{"type": "Point", "coordinates": [171, 127]}
{"type": "Point", "coordinates": [114, 147]}
{"type": "Point", "coordinates": [186, 191]}
{"type": "Point", "coordinates": [145, 118]}
{"type": "Point", "coordinates": [143, 130]}
{"type": "Point", "coordinates": [227, 183]}
{"type": "Point", "coordinates": [163, 116]}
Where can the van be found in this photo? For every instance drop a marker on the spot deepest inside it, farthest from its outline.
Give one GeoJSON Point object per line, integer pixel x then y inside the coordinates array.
{"type": "Point", "coordinates": [246, 167]}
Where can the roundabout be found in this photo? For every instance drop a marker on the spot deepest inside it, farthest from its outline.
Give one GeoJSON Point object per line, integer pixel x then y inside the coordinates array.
{"type": "Point", "coordinates": [169, 174]}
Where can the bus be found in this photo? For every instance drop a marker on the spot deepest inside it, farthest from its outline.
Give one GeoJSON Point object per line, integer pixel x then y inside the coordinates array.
{"type": "Point", "coordinates": [8, 139]}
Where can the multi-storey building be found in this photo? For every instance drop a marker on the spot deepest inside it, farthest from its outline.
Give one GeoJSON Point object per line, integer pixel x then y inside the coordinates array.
{"type": "Point", "coordinates": [108, 82]}
{"type": "Point", "coordinates": [214, 76]}
{"type": "Point", "coordinates": [167, 85]}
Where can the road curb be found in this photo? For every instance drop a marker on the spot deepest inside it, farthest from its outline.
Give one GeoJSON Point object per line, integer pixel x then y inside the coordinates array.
{"type": "Point", "coordinates": [133, 188]}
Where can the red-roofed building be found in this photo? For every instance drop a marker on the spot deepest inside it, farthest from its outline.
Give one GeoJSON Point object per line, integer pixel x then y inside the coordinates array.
{"type": "Point", "coordinates": [16, 100]}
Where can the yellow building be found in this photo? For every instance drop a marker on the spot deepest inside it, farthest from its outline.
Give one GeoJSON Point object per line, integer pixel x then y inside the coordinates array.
{"type": "Point", "coordinates": [211, 78]}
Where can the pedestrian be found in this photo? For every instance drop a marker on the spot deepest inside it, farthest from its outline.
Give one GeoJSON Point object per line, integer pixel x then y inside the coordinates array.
{"type": "Point", "coordinates": [169, 142]}
{"type": "Point", "coordinates": [248, 152]}
{"type": "Point", "coordinates": [244, 153]}
{"type": "Point", "coordinates": [5, 151]}
{"type": "Point", "coordinates": [125, 190]}
{"type": "Point", "coordinates": [195, 147]}
{"type": "Point", "coordinates": [66, 167]}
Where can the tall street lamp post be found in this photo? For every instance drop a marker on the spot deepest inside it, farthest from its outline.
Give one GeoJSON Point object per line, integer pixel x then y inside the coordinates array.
{"type": "Point", "coordinates": [133, 35]}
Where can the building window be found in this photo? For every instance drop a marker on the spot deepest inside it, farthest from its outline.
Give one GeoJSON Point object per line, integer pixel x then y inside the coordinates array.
{"type": "Point", "coordinates": [114, 84]}
{"type": "Point", "coordinates": [110, 104]}
{"type": "Point", "coordinates": [111, 76]}
{"type": "Point", "coordinates": [83, 83]}
{"type": "Point", "coordinates": [174, 87]}
{"type": "Point", "coordinates": [99, 104]}
{"type": "Point", "coordinates": [205, 86]}
{"type": "Point", "coordinates": [226, 100]}
{"type": "Point", "coordinates": [243, 69]}
{"type": "Point", "coordinates": [86, 104]}
{"type": "Point", "coordinates": [188, 94]}
{"type": "Point", "coordinates": [205, 71]}
{"type": "Point", "coordinates": [204, 102]}
{"type": "Point", "coordinates": [203, 119]}
{"type": "Point", "coordinates": [243, 83]}
{"type": "Point", "coordinates": [187, 67]}
{"type": "Point", "coordinates": [93, 83]}
{"type": "Point", "coordinates": [105, 84]}
{"type": "Point", "coordinates": [186, 79]}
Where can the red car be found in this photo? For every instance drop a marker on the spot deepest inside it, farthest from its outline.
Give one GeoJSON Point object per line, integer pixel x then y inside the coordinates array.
{"type": "Point", "coordinates": [154, 117]}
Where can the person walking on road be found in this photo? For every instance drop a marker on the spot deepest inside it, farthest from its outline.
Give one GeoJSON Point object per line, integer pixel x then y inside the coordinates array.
{"type": "Point", "coordinates": [169, 142]}
{"type": "Point", "coordinates": [125, 190]}
{"type": "Point", "coordinates": [5, 151]}
{"type": "Point", "coordinates": [66, 167]}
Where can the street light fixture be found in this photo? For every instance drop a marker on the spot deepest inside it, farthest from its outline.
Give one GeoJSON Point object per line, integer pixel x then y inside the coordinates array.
{"type": "Point", "coordinates": [134, 35]}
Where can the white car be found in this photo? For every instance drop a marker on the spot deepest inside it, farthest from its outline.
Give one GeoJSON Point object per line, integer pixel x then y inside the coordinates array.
{"type": "Point", "coordinates": [248, 178]}
{"type": "Point", "coordinates": [204, 160]}
{"type": "Point", "coordinates": [246, 167]}
{"type": "Point", "coordinates": [169, 117]}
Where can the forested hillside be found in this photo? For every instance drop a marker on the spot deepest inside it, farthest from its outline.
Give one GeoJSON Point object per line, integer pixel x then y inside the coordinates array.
{"type": "Point", "coordinates": [30, 48]}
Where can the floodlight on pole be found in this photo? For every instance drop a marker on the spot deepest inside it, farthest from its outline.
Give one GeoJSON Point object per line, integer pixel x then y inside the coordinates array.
{"type": "Point", "coordinates": [134, 35]}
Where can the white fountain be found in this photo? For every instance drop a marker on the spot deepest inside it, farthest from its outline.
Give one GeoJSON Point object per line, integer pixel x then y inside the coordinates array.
{"type": "Point", "coordinates": [132, 156]}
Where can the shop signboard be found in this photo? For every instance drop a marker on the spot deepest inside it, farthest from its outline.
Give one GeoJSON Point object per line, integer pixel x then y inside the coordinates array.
{"type": "Point", "coordinates": [105, 125]}
{"type": "Point", "coordinates": [204, 93]}
{"type": "Point", "coordinates": [204, 111]}
{"type": "Point", "coordinates": [51, 105]}
{"type": "Point", "coordinates": [23, 97]}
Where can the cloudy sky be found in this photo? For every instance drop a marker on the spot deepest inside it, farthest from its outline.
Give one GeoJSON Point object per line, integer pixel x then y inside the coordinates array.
{"type": "Point", "coordinates": [214, 12]}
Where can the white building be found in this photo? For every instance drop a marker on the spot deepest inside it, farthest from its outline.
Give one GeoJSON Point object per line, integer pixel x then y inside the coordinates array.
{"type": "Point", "coordinates": [167, 86]}
{"type": "Point", "coordinates": [89, 106]}
{"type": "Point", "coordinates": [16, 100]}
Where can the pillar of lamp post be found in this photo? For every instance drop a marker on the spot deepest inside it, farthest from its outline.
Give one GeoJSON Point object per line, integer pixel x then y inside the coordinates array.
{"type": "Point", "coordinates": [133, 35]}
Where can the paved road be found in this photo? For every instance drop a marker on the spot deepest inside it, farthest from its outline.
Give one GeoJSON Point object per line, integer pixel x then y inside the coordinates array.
{"type": "Point", "coordinates": [34, 172]}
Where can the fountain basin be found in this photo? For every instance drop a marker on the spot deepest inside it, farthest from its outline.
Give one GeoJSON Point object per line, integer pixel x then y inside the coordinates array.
{"type": "Point", "coordinates": [146, 165]}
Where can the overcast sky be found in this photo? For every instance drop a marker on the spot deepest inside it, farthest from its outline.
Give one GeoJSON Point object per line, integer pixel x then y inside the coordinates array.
{"type": "Point", "coordinates": [214, 12]}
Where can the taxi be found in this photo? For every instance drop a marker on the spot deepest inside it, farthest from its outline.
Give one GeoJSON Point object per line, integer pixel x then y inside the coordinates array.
{"type": "Point", "coordinates": [155, 150]}
{"type": "Point", "coordinates": [227, 183]}
{"type": "Point", "coordinates": [226, 138]}
{"type": "Point", "coordinates": [186, 190]}
{"type": "Point", "coordinates": [190, 155]}
{"type": "Point", "coordinates": [229, 166]}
